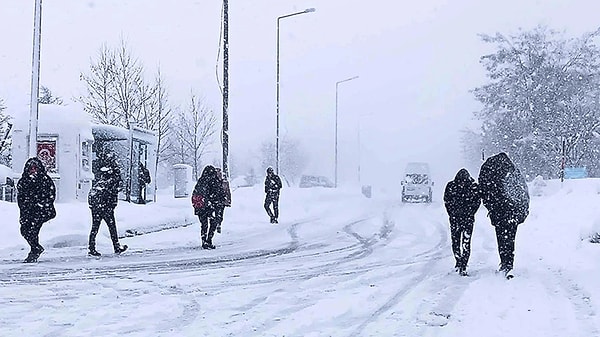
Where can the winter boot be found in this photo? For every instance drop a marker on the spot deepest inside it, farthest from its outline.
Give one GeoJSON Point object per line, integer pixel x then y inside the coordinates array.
{"type": "Point", "coordinates": [208, 245]}
{"type": "Point", "coordinates": [462, 271]}
{"type": "Point", "coordinates": [509, 274]}
{"type": "Point", "coordinates": [219, 229]}
{"type": "Point", "coordinates": [31, 258]}
{"type": "Point", "coordinates": [94, 252]}
{"type": "Point", "coordinates": [120, 249]}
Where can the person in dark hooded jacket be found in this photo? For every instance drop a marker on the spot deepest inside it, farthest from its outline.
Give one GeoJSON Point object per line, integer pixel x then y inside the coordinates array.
{"type": "Point", "coordinates": [505, 194]}
{"type": "Point", "coordinates": [103, 199]}
{"type": "Point", "coordinates": [35, 196]}
{"type": "Point", "coordinates": [223, 199]}
{"type": "Point", "coordinates": [205, 198]}
{"type": "Point", "coordinates": [461, 198]}
{"type": "Point", "coordinates": [272, 189]}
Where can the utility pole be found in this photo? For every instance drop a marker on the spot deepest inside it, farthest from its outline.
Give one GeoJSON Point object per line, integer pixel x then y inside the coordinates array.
{"type": "Point", "coordinates": [35, 79]}
{"type": "Point", "coordinates": [225, 135]}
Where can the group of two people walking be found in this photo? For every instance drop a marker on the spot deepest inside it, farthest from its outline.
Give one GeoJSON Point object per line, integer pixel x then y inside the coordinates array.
{"type": "Point", "coordinates": [505, 195]}
{"type": "Point", "coordinates": [212, 194]}
{"type": "Point", "coordinates": [36, 194]}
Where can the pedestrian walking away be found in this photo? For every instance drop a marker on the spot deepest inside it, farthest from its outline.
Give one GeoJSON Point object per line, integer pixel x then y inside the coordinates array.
{"type": "Point", "coordinates": [462, 200]}
{"type": "Point", "coordinates": [223, 199]}
{"type": "Point", "coordinates": [204, 200]}
{"type": "Point", "coordinates": [35, 197]}
{"type": "Point", "coordinates": [103, 199]}
{"type": "Point", "coordinates": [272, 188]}
{"type": "Point", "coordinates": [505, 194]}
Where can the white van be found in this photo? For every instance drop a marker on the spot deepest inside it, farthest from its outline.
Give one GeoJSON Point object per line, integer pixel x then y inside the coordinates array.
{"type": "Point", "coordinates": [417, 185]}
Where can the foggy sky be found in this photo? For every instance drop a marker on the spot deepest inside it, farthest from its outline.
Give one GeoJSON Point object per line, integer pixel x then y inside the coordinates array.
{"type": "Point", "coordinates": [417, 62]}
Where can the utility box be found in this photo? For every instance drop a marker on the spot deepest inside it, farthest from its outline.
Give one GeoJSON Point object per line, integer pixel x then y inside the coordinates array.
{"type": "Point", "coordinates": [182, 185]}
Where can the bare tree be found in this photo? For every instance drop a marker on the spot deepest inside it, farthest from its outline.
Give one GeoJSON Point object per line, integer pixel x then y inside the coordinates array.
{"type": "Point", "coordinates": [157, 114]}
{"type": "Point", "coordinates": [47, 97]}
{"type": "Point", "coordinates": [292, 160]}
{"type": "Point", "coordinates": [129, 86]}
{"type": "Point", "coordinates": [100, 100]}
{"type": "Point", "coordinates": [192, 131]}
{"type": "Point", "coordinates": [117, 93]}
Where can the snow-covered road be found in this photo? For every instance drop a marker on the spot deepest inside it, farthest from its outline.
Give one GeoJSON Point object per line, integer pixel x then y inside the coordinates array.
{"type": "Point", "coordinates": [350, 269]}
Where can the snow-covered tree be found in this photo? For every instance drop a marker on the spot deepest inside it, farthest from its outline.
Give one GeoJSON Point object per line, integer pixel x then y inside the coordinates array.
{"type": "Point", "coordinates": [543, 90]}
{"type": "Point", "coordinates": [47, 97]}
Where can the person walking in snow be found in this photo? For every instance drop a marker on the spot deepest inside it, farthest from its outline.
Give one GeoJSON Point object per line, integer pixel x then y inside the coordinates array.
{"type": "Point", "coordinates": [103, 199]}
{"type": "Point", "coordinates": [462, 200]}
{"type": "Point", "coordinates": [204, 200]}
{"type": "Point", "coordinates": [272, 188]}
{"type": "Point", "coordinates": [35, 197]}
{"type": "Point", "coordinates": [223, 198]}
{"type": "Point", "coordinates": [506, 196]}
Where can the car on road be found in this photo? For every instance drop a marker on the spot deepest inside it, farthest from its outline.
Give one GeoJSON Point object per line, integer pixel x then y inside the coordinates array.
{"type": "Point", "coordinates": [417, 185]}
{"type": "Point", "coordinates": [315, 181]}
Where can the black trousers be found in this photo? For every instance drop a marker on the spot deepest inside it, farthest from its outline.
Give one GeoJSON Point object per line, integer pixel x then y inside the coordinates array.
{"type": "Point", "coordinates": [208, 224]}
{"type": "Point", "coordinates": [272, 199]}
{"type": "Point", "coordinates": [505, 235]}
{"type": "Point", "coordinates": [217, 217]}
{"type": "Point", "coordinates": [461, 230]}
{"type": "Point", "coordinates": [108, 215]}
{"type": "Point", "coordinates": [30, 230]}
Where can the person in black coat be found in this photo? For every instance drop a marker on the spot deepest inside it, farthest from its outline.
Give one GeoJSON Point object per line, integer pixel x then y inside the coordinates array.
{"type": "Point", "coordinates": [506, 196]}
{"type": "Point", "coordinates": [223, 198]}
{"type": "Point", "coordinates": [204, 200]}
{"type": "Point", "coordinates": [462, 200]}
{"type": "Point", "coordinates": [35, 197]}
{"type": "Point", "coordinates": [103, 199]}
{"type": "Point", "coordinates": [272, 188]}
{"type": "Point", "coordinates": [143, 180]}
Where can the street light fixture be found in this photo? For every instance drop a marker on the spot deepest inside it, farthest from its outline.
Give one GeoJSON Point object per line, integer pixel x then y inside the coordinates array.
{"type": "Point", "coordinates": [336, 125]}
{"type": "Point", "coordinates": [308, 10]}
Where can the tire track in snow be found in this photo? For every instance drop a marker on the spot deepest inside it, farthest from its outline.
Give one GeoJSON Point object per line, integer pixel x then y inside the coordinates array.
{"type": "Point", "coordinates": [430, 257]}
{"type": "Point", "coordinates": [580, 301]}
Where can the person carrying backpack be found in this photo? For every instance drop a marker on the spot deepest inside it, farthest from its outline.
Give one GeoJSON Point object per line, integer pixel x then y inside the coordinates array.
{"type": "Point", "coordinates": [103, 199]}
{"type": "Point", "coordinates": [204, 200]}
{"type": "Point", "coordinates": [505, 194]}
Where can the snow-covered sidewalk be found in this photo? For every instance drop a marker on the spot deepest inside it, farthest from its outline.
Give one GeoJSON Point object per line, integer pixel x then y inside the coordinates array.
{"type": "Point", "coordinates": [70, 228]}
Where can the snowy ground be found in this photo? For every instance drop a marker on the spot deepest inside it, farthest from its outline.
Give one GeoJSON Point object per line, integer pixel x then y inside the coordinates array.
{"type": "Point", "coordinates": [338, 264]}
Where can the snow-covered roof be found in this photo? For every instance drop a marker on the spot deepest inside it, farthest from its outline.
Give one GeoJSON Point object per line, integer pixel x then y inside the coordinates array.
{"type": "Point", "coordinates": [417, 167]}
{"type": "Point", "coordinates": [109, 132]}
{"type": "Point", "coordinates": [52, 118]}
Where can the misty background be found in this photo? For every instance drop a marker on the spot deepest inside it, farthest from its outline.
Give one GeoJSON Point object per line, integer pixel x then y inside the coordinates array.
{"type": "Point", "coordinates": [416, 62]}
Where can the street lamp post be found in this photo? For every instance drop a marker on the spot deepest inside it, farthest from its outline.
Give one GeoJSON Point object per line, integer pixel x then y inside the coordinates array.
{"type": "Point", "coordinates": [308, 10]}
{"type": "Point", "coordinates": [336, 125]}
{"type": "Point", "coordinates": [35, 79]}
